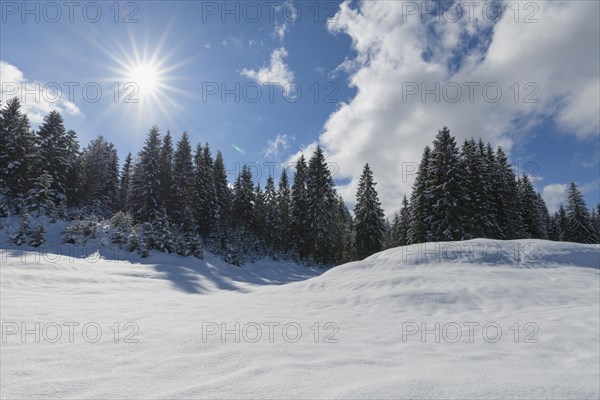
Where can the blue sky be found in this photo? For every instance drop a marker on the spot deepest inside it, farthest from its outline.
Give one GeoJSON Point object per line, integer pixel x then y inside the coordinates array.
{"type": "Point", "coordinates": [351, 72]}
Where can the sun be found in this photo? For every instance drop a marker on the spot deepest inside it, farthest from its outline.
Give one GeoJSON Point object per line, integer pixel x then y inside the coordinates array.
{"type": "Point", "coordinates": [146, 77]}
{"type": "Point", "coordinates": [145, 80]}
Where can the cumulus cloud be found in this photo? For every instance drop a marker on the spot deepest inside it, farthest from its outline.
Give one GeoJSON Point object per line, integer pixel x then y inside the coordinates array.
{"type": "Point", "coordinates": [554, 195]}
{"type": "Point", "coordinates": [554, 63]}
{"type": "Point", "coordinates": [277, 73]}
{"type": "Point", "coordinates": [274, 146]}
{"type": "Point", "coordinates": [37, 98]}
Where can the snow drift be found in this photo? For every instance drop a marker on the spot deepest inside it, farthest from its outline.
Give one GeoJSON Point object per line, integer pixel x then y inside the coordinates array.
{"type": "Point", "coordinates": [472, 319]}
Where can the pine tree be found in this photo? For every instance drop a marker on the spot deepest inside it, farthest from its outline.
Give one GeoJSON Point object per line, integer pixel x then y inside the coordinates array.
{"type": "Point", "coordinates": [125, 182]}
{"type": "Point", "coordinates": [204, 191]}
{"type": "Point", "coordinates": [183, 181]}
{"type": "Point", "coordinates": [401, 225]}
{"type": "Point", "coordinates": [272, 217]}
{"type": "Point", "coordinates": [531, 210]}
{"type": "Point", "coordinates": [100, 177]}
{"type": "Point", "coordinates": [259, 214]}
{"type": "Point", "coordinates": [16, 152]}
{"type": "Point", "coordinates": [75, 176]}
{"type": "Point", "coordinates": [166, 172]}
{"type": "Point", "coordinates": [420, 203]}
{"type": "Point", "coordinates": [223, 198]}
{"type": "Point", "coordinates": [145, 182]}
{"type": "Point", "coordinates": [242, 210]}
{"type": "Point", "coordinates": [321, 209]}
{"type": "Point", "coordinates": [595, 217]}
{"type": "Point", "coordinates": [508, 215]}
{"type": "Point", "coordinates": [344, 234]}
{"type": "Point", "coordinates": [446, 189]}
{"type": "Point", "coordinates": [52, 145]}
{"type": "Point", "coordinates": [368, 216]}
{"type": "Point", "coordinates": [284, 198]}
{"type": "Point", "coordinates": [579, 226]}
{"type": "Point", "coordinates": [561, 219]}
{"type": "Point", "coordinates": [40, 199]}
{"type": "Point", "coordinates": [299, 210]}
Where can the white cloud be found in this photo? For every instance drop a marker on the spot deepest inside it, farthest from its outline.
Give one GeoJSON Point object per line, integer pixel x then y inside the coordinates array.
{"type": "Point", "coordinates": [554, 195]}
{"type": "Point", "coordinates": [37, 99]}
{"type": "Point", "coordinates": [559, 55]}
{"type": "Point", "coordinates": [276, 73]}
{"type": "Point", "coordinates": [274, 146]}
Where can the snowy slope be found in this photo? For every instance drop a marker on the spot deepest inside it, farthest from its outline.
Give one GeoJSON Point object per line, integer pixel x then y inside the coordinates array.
{"type": "Point", "coordinates": [368, 313]}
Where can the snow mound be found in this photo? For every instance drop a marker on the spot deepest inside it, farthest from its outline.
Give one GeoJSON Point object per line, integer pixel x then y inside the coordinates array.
{"type": "Point", "coordinates": [522, 322]}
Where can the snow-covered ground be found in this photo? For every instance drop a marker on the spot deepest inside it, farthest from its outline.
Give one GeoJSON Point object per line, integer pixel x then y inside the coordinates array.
{"type": "Point", "coordinates": [355, 331]}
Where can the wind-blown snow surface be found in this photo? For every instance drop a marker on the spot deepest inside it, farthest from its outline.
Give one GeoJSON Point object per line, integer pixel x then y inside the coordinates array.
{"type": "Point", "coordinates": [366, 351]}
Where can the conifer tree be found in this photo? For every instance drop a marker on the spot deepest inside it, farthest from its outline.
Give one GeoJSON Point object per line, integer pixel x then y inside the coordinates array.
{"type": "Point", "coordinates": [284, 198]}
{"type": "Point", "coordinates": [242, 211]}
{"type": "Point", "coordinates": [508, 216]}
{"type": "Point", "coordinates": [321, 209]}
{"type": "Point", "coordinates": [166, 173]}
{"type": "Point", "coordinates": [299, 210]}
{"type": "Point", "coordinates": [145, 182]}
{"type": "Point", "coordinates": [52, 145]}
{"type": "Point", "coordinates": [125, 183]}
{"type": "Point", "coordinates": [272, 216]}
{"type": "Point", "coordinates": [223, 198]}
{"type": "Point", "coordinates": [16, 153]}
{"type": "Point", "coordinates": [182, 199]}
{"type": "Point", "coordinates": [368, 216]}
{"type": "Point", "coordinates": [579, 226]}
{"type": "Point", "coordinates": [420, 203]}
{"type": "Point", "coordinates": [204, 191]}
{"type": "Point", "coordinates": [446, 189]}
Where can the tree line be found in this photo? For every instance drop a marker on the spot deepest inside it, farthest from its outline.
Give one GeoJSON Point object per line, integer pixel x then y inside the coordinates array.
{"type": "Point", "coordinates": [174, 197]}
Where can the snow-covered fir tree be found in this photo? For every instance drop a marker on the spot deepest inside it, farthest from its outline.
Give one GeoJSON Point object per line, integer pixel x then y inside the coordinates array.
{"type": "Point", "coordinates": [299, 210]}
{"type": "Point", "coordinates": [145, 182]}
{"type": "Point", "coordinates": [125, 183]}
{"type": "Point", "coordinates": [446, 189]}
{"type": "Point", "coordinates": [579, 227]}
{"type": "Point", "coordinates": [420, 203]}
{"type": "Point", "coordinates": [284, 199]}
{"type": "Point", "coordinates": [16, 154]}
{"type": "Point", "coordinates": [182, 197]}
{"type": "Point", "coordinates": [369, 219]}
{"type": "Point", "coordinates": [321, 209]}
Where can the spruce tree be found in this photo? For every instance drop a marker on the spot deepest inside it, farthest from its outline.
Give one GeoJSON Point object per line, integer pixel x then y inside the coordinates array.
{"type": "Point", "coordinates": [204, 191]}
{"type": "Point", "coordinates": [272, 217]}
{"type": "Point", "coordinates": [508, 215]}
{"type": "Point", "coordinates": [52, 145]}
{"type": "Point", "coordinates": [100, 165]}
{"type": "Point", "coordinates": [595, 217]}
{"type": "Point", "coordinates": [531, 210]}
{"type": "Point", "coordinates": [242, 210]}
{"type": "Point", "coordinates": [145, 194]}
{"type": "Point", "coordinates": [223, 198]}
{"type": "Point", "coordinates": [368, 216]}
{"type": "Point", "coordinates": [284, 198]}
{"type": "Point", "coordinates": [579, 226]}
{"type": "Point", "coordinates": [125, 183]}
{"type": "Point", "coordinates": [16, 153]}
{"type": "Point", "coordinates": [166, 173]}
{"type": "Point", "coordinates": [420, 203]}
{"type": "Point", "coordinates": [445, 184]}
{"type": "Point", "coordinates": [182, 198]}
{"type": "Point", "coordinates": [561, 219]}
{"type": "Point", "coordinates": [299, 210]}
{"type": "Point", "coordinates": [321, 209]}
